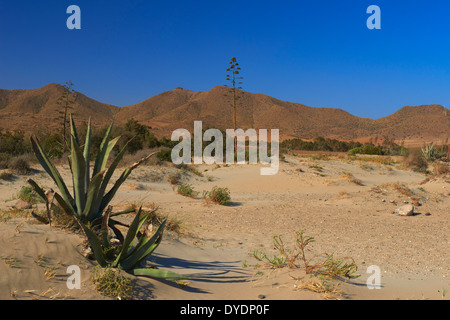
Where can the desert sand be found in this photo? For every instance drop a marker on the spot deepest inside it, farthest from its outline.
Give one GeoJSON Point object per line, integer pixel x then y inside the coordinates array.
{"type": "Point", "coordinates": [346, 205]}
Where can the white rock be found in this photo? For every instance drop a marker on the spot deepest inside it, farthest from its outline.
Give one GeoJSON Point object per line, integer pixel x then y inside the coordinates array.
{"type": "Point", "coordinates": [406, 210]}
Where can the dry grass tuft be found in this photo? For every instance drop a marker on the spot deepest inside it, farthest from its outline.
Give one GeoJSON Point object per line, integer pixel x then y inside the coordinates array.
{"type": "Point", "coordinates": [441, 168]}
{"type": "Point", "coordinates": [399, 187]}
{"type": "Point", "coordinates": [350, 178]}
{"type": "Point", "coordinates": [326, 289]}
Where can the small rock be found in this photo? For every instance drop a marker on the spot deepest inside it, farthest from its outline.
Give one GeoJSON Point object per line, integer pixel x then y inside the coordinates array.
{"type": "Point", "coordinates": [428, 214]}
{"type": "Point", "coordinates": [384, 200]}
{"type": "Point", "coordinates": [261, 296]}
{"type": "Point", "coordinates": [406, 210]}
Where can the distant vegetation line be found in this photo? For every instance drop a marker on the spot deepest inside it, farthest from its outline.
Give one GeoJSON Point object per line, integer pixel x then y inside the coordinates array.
{"type": "Point", "coordinates": [16, 143]}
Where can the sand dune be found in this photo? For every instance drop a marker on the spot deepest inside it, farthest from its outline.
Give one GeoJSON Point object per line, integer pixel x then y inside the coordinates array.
{"type": "Point", "coordinates": [321, 197]}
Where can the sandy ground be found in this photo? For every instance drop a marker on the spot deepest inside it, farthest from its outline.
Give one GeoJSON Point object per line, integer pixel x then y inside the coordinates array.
{"type": "Point", "coordinates": [214, 249]}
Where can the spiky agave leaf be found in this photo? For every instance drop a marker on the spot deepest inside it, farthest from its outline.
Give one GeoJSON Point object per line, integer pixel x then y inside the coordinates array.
{"type": "Point", "coordinates": [108, 197]}
{"type": "Point", "coordinates": [133, 230]}
{"type": "Point", "coordinates": [102, 153]}
{"type": "Point", "coordinates": [36, 188]}
{"type": "Point", "coordinates": [92, 194]}
{"type": "Point", "coordinates": [86, 154]}
{"type": "Point", "coordinates": [52, 172]}
{"type": "Point", "coordinates": [158, 273]}
{"type": "Point", "coordinates": [143, 249]}
{"type": "Point", "coordinates": [106, 179]}
{"type": "Point", "coordinates": [78, 175]}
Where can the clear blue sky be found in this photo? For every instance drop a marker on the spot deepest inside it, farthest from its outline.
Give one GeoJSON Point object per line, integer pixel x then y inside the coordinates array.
{"type": "Point", "coordinates": [319, 53]}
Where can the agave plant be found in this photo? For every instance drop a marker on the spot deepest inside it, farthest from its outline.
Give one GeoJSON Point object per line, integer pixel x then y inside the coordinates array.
{"type": "Point", "coordinates": [90, 196]}
{"type": "Point", "coordinates": [89, 204]}
{"type": "Point", "coordinates": [129, 257]}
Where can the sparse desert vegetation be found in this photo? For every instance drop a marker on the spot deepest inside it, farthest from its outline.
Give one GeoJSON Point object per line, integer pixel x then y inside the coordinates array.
{"type": "Point", "coordinates": [318, 191]}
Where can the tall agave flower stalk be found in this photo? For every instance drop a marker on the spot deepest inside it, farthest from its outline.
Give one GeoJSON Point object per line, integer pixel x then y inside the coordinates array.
{"type": "Point", "coordinates": [89, 204]}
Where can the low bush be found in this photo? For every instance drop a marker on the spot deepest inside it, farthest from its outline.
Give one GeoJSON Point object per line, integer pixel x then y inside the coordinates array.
{"type": "Point", "coordinates": [441, 168]}
{"type": "Point", "coordinates": [7, 176]}
{"type": "Point", "coordinates": [19, 165]}
{"type": "Point", "coordinates": [416, 161]}
{"type": "Point", "coordinates": [111, 283]}
{"type": "Point", "coordinates": [218, 195]}
{"type": "Point", "coordinates": [186, 190]}
{"type": "Point", "coordinates": [165, 155]}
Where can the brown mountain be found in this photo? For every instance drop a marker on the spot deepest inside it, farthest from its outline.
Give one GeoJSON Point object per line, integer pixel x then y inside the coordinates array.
{"type": "Point", "coordinates": [179, 108]}
{"type": "Point", "coordinates": [37, 108]}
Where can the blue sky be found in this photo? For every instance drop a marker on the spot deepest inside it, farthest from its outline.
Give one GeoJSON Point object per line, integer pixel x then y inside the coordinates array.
{"type": "Point", "coordinates": [319, 53]}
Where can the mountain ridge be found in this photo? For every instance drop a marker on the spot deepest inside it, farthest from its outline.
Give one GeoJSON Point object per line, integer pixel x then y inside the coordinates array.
{"type": "Point", "coordinates": [29, 109]}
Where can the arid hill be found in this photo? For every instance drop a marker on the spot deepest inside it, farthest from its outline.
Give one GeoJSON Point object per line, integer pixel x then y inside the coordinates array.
{"type": "Point", "coordinates": [33, 109]}
{"type": "Point", "coordinates": [255, 110]}
{"type": "Point", "coordinates": [179, 108]}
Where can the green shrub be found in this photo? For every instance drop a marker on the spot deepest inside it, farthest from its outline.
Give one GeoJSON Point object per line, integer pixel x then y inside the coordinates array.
{"type": "Point", "coordinates": [7, 176]}
{"type": "Point", "coordinates": [53, 145]}
{"type": "Point", "coordinates": [370, 149]}
{"type": "Point", "coordinates": [13, 143]}
{"type": "Point", "coordinates": [4, 160]}
{"type": "Point", "coordinates": [28, 194]}
{"type": "Point", "coordinates": [319, 144]}
{"type": "Point", "coordinates": [218, 195]}
{"type": "Point", "coordinates": [111, 283]}
{"type": "Point", "coordinates": [165, 155]}
{"type": "Point", "coordinates": [367, 149]}
{"type": "Point", "coordinates": [186, 190]}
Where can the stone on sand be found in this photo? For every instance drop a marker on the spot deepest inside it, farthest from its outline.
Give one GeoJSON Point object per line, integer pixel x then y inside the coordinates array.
{"type": "Point", "coordinates": [406, 210]}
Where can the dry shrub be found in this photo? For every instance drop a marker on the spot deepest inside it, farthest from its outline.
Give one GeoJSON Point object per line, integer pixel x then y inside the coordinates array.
{"type": "Point", "coordinates": [416, 161]}
{"type": "Point", "coordinates": [20, 165]}
{"type": "Point", "coordinates": [399, 187]}
{"type": "Point", "coordinates": [441, 168]}
{"type": "Point", "coordinates": [350, 178]}
{"type": "Point", "coordinates": [326, 289]}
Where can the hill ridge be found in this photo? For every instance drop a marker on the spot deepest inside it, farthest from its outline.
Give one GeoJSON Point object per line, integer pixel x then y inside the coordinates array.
{"type": "Point", "coordinates": [28, 109]}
